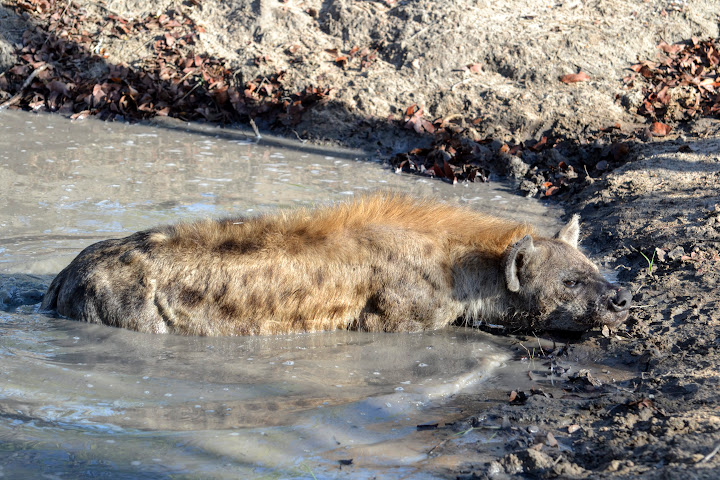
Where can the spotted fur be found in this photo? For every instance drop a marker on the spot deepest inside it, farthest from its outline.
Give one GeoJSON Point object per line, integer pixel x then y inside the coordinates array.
{"type": "Point", "coordinates": [379, 263]}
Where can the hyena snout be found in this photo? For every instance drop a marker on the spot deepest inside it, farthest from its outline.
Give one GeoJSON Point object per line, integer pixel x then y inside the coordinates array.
{"type": "Point", "coordinates": [620, 302]}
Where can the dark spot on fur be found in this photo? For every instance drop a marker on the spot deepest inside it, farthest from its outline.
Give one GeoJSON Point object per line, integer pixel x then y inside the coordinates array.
{"type": "Point", "coordinates": [128, 257]}
{"type": "Point", "coordinates": [337, 311]}
{"type": "Point", "coordinates": [361, 290]}
{"type": "Point", "coordinates": [372, 306]}
{"type": "Point", "coordinates": [299, 294]}
{"type": "Point", "coordinates": [191, 297]}
{"type": "Point", "coordinates": [301, 239]}
{"type": "Point", "coordinates": [254, 302]}
{"type": "Point", "coordinates": [319, 277]}
{"type": "Point", "coordinates": [428, 249]}
{"type": "Point", "coordinates": [299, 322]}
{"type": "Point", "coordinates": [238, 247]}
{"type": "Point", "coordinates": [220, 294]}
{"type": "Point", "coordinates": [270, 272]}
{"type": "Point", "coordinates": [144, 248]}
{"type": "Point", "coordinates": [228, 311]}
{"type": "Point", "coordinates": [295, 295]}
{"type": "Point", "coordinates": [270, 307]}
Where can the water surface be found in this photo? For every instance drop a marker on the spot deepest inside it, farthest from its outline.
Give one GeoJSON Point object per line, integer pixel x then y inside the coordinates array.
{"type": "Point", "coordinates": [79, 400]}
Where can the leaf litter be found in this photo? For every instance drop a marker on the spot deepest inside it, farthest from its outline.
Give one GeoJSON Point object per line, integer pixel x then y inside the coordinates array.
{"type": "Point", "coordinates": [683, 84]}
{"type": "Point", "coordinates": [176, 81]}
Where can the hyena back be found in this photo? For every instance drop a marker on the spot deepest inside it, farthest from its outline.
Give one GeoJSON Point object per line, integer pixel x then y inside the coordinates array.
{"type": "Point", "coordinates": [380, 263]}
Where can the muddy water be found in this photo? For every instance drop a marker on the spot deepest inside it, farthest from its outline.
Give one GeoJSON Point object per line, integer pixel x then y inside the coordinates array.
{"type": "Point", "coordinates": [80, 400]}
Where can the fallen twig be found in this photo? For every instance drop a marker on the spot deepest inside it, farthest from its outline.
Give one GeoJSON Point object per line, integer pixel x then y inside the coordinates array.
{"type": "Point", "coordinates": [710, 455]}
{"type": "Point", "coordinates": [255, 129]}
{"type": "Point", "coordinates": [15, 98]}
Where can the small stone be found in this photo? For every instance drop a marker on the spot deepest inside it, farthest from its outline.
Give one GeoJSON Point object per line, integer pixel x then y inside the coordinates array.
{"type": "Point", "coordinates": [676, 253]}
{"type": "Point", "coordinates": [505, 422]}
{"type": "Point", "coordinates": [494, 469]}
{"type": "Point", "coordinates": [535, 461]}
{"type": "Point", "coordinates": [533, 429]}
{"type": "Point", "coordinates": [573, 428]}
{"type": "Point", "coordinates": [602, 165]}
{"type": "Point", "coordinates": [529, 187]}
{"type": "Point", "coordinates": [512, 464]}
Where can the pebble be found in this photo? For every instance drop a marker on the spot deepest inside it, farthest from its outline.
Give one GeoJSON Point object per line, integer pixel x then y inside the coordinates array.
{"type": "Point", "coordinates": [676, 253]}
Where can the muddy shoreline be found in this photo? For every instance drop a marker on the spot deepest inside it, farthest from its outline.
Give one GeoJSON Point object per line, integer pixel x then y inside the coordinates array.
{"type": "Point", "coordinates": [648, 198]}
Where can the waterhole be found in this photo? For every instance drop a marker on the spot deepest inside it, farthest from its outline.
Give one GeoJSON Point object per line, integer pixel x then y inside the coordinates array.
{"type": "Point", "coordinates": [79, 400]}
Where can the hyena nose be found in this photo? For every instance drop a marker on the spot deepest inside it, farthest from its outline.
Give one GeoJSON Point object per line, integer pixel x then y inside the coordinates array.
{"type": "Point", "coordinates": [621, 301]}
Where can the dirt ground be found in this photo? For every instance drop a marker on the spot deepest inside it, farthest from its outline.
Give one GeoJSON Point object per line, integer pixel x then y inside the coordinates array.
{"type": "Point", "coordinates": [488, 72]}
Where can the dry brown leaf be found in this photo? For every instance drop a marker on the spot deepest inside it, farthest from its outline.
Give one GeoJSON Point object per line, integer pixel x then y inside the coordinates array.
{"type": "Point", "coordinates": [660, 129]}
{"type": "Point", "coordinates": [551, 191]}
{"type": "Point", "coordinates": [447, 170]}
{"type": "Point", "coordinates": [58, 87]}
{"type": "Point", "coordinates": [671, 49]}
{"type": "Point", "coordinates": [575, 77]}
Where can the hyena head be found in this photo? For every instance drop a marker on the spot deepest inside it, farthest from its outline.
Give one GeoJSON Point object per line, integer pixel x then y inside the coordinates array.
{"type": "Point", "coordinates": [559, 286]}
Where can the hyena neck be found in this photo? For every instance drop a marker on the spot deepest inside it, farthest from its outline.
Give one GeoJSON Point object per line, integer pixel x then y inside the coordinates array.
{"type": "Point", "coordinates": [479, 285]}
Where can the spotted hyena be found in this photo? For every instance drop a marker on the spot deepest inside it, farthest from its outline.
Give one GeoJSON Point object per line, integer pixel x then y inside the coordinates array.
{"type": "Point", "coordinates": [380, 263]}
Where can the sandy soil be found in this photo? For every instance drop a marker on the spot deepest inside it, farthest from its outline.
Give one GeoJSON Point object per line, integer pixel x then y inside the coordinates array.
{"type": "Point", "coordinates": [492, 69]}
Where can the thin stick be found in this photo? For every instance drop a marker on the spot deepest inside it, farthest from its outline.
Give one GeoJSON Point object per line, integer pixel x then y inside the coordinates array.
{"type": "Point", "coordinates": [298, 137]}
{"type": "Point", "coordinates": [710, 455]}
{"type": "Point", "coordinates": [16, 98]}
{"type": "Point", "coordinates": [461, 82]}
{"type": "Point", "coordinates": [255, 129]}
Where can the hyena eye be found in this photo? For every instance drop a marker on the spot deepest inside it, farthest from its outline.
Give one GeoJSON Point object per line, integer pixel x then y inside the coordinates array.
{"type": "Point", "coordinates": [571, 283]}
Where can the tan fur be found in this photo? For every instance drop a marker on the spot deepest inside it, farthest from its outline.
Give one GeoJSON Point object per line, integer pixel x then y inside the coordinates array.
{"type": "Point", "coordinates": [382, 263]}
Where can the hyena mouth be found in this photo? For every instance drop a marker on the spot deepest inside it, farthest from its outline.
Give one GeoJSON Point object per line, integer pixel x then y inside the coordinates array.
{"type": "Point", "coordinates": [618, 306]}
{"type": "Point", "coordinates": [613, 319]}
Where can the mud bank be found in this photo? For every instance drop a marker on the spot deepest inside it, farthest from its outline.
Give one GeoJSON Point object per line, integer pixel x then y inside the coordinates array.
{"type": "Point", "coordinates": [662, 422]}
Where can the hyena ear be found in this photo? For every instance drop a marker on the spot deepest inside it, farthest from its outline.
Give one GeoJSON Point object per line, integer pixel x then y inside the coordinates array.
{"type": "Point", "coordinates": [514, 260]}
{"type": "Point", "coordinates": [570, 233]}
